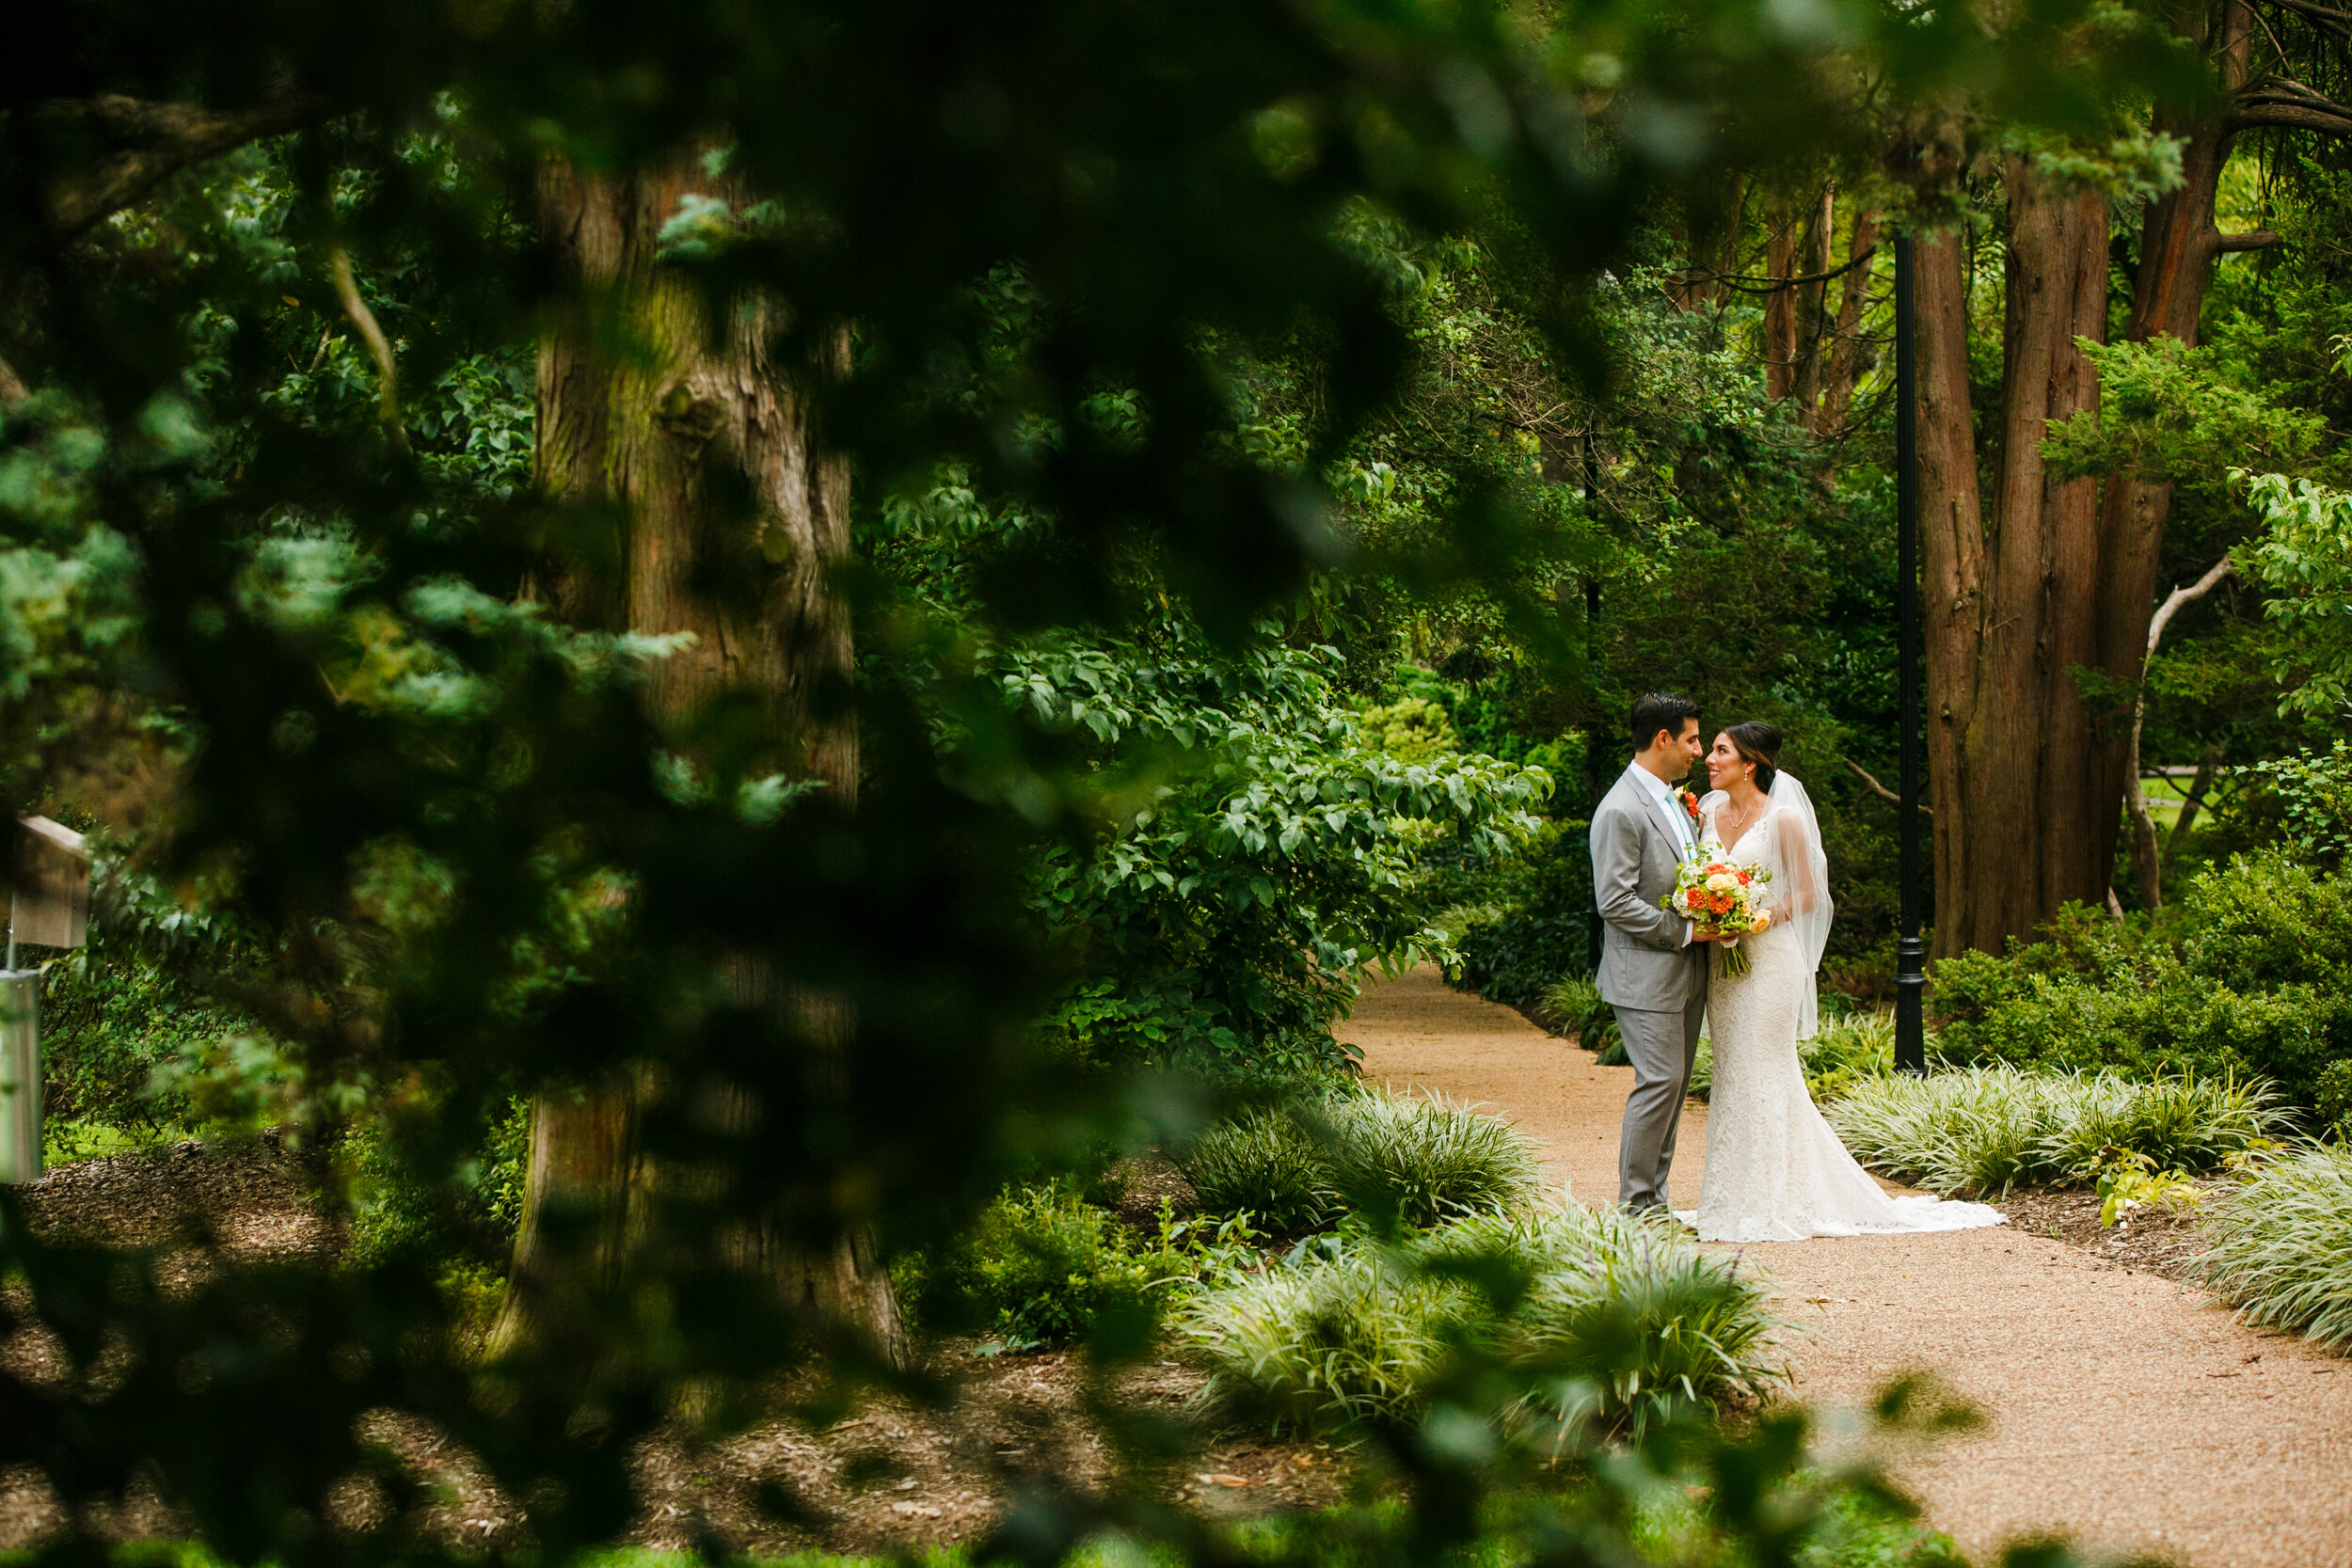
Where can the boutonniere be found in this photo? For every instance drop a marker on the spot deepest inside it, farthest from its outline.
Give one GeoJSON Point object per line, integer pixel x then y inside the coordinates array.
{"type": "Point", "coordinates": [1690, 803]}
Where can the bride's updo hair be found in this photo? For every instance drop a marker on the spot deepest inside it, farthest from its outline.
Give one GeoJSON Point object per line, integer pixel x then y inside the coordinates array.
{"type": "Point", "coordinates": [1759, 743]}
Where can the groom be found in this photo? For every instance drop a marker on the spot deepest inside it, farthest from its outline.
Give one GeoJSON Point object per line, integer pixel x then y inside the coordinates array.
{"type": "Point", "coordinates": [1651, 971]}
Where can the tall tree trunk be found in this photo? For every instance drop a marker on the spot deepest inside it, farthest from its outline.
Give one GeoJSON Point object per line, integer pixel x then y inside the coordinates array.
{"type": "Point", "coordinates": [1813, 325]}
{"type": "Point", "coordinates": [2014, 609]}
{"type": "Point", "coordinates": [2037, 775]}
{"type": "Point", "coordinates": [648, 429]}
{"type": "Point", "coordinates": [1847, 359]}
{"type": "Point", "coordinates": [1780, 309]}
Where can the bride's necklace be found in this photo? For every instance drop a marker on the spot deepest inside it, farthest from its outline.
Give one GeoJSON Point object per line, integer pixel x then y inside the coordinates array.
{"type": "Point", "coordinates": [1740, 822]}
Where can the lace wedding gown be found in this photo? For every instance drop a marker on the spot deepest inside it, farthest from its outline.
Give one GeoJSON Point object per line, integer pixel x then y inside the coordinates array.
{"type": "Point", "coordinates": [1775, 1172]}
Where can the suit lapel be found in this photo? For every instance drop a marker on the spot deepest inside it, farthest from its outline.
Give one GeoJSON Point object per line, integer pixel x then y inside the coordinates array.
{"type": "Point", "coordinates": [1658, 810]}
{"type": "Point", "coordinates": [1661, 809]}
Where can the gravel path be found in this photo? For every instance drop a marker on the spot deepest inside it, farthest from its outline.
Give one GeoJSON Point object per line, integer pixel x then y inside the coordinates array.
{"type": "Point", "coordinates": [2126, 1409]}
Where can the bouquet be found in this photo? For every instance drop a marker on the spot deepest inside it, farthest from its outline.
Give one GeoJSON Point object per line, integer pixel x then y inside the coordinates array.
{"type": "Point", "coordinates": [1720, 899]}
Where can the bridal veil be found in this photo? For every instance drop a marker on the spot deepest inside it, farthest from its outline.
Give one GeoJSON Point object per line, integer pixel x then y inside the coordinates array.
{"type": "Point", "coordinates": [1809, 920]}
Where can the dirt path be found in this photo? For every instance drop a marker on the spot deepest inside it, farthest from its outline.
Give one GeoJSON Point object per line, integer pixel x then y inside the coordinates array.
{"type": "Point", "coordinates": [2127, 1410]}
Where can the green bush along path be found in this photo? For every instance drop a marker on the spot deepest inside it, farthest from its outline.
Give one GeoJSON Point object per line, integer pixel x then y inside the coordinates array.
{"type": "Point", "coordinates": [2128, 1410]}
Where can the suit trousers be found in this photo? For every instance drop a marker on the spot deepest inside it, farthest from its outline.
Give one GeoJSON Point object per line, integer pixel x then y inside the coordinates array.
{"type": "Point", "coordinates": [1661, 1046]}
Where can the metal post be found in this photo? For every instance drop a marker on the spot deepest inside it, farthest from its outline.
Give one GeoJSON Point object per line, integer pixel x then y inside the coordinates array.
{"type": "Point", "coordinates": [1911, 980]}
{"type": "Point", "coordinates": [20, 1075]}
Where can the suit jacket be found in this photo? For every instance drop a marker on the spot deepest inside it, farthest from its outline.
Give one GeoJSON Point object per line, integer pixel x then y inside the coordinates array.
{"type": "Point", "coordinates": [1636, 855]}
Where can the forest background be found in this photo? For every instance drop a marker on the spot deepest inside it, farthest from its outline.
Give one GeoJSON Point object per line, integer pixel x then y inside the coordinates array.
{"type": "Point", "coordinates": [694, 643]}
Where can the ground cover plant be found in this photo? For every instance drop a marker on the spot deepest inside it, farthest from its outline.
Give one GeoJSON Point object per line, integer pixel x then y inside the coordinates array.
{"type": "Point", "coordinates": [1415, 1159]}
{"type": "Point", "coordinates": [1364, 1331]}
{"type": "Point", "coordinates": [2281, 1244]}
{"type": "Point", "coordinates": [1982, 1130]}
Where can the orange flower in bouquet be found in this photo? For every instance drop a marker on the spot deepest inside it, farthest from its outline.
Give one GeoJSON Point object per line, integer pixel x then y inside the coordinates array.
{"type": "Point", "coordinates": [1720, 899]}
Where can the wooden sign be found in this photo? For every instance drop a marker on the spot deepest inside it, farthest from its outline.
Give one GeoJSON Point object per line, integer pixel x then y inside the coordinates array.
{"type": "Point", "coordinates": [50, 905]}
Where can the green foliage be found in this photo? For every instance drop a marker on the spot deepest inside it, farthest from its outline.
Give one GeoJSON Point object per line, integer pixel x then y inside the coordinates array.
{"type": "Point", "coordinates": [1044, 1267]}
{"type": "Point", "coordinates": [2304, 558]}
{"type": "Point", "coordinates": [111, 1020]}
{"type": "Point", "coordinates": [2313, 792]}
{"type": "Point", "coordinates": [2128, 1180]}
{"type": "Point", "coordinates": [1416, 1160]}
{"type": "Point", "coordinates": [1534, 923]}
{"type": "Point", "coordinates": [2282, 1244]}
{"type": "Point", "coordinates": [1574, 1006]}
{"type": "Point", "coordinates": [2241, 977]}
{"type": "Point", "coordinates": [472, 1219]}
{"type": "Point", "coordinates": [1983, 1130]}
{"type": "Point", "coordinates": [1360, 1333]}
{"type": "Point", "coordinates": [1421, 1159]}
{"type": "Point", "coordinates": [1267, 1163]}
{"type": "Point", "coordinates": [2167, 412]}
{"type": "Point", "coordinates": [1411, 729]}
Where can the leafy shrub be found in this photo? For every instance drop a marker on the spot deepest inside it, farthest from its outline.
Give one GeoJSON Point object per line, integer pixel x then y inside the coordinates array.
{"type": "Point", "coordinates": [1982, 1130]}
{"type": "Point", "coordinates": [1536, 922]}
{"type": "Point", "coordinates": [2243, 976]}
{"type": "Point", "coordinates": [110, 1020]}
{"type": "Point", "coordinates": [1362, 1332]}
{"type": "Point", "coordinates": [2284, 1253]}
{"type": "Point", "coordinates": [1420, 1159]}
{"type": "Point", "coordinates": [1411, 729]}
{"type": "Point", "coordinates": [2312, 797]}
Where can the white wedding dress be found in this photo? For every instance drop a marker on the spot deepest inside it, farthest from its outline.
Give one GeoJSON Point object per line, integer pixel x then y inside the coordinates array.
{"type": "Point", "coordinates": [1775, 1172]}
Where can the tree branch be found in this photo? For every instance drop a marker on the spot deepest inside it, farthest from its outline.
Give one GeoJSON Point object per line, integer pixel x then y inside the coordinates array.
{"type": "Point", "coordinates": [2147, 863]}
{"type": "Point", "coordinates": [2253, 239]}
{"type": "Point", "coordinates": [379, 348]}
{"type": "Point", "coordinates": [1879, 789]}
{"type": "Point", "coordinates": [128, 146]}
{"type": "Point", "coordinates": [2278, 102]}
{"type": "Point", "coordinates": [1773, 285]}
{"type": "Point", "coordinates": [2325, 15]}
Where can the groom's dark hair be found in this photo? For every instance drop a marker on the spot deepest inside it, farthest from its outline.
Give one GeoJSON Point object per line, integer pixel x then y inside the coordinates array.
{"type": "Point", "coordinates": [1660, 710]}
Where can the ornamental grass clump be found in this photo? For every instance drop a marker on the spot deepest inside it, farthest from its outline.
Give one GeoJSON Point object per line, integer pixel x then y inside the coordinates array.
{"type": "Point", "coordinates": [1414, 1159]}
{"type": "Point", "coordinates": [1264, 1163]}
{"type": "Point", "coordinates": [1423, 1159]}
{"type": "Point", "coordinates": [2284, 1257]}
{"type": "Point", "coordinates": [1608, 1321]}
{"type": "Point", "coordinates": [1983, 1130]}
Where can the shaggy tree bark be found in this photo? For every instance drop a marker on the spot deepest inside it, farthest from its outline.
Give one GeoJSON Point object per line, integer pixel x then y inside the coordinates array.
{"type": "Point", "coordinates": [2011, 586]}
{"type": "Point", "coordinates": [646, 430]}
{"type": "Point", "coordinates": [2042, 578]}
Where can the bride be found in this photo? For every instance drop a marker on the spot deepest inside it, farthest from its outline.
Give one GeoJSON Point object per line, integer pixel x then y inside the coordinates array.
{"type": "Point", "coordinates": [1774, 1170]}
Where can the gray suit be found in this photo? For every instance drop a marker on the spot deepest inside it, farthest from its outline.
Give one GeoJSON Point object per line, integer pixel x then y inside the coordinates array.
{"type": "Point", "coordinates": [1656, 984]}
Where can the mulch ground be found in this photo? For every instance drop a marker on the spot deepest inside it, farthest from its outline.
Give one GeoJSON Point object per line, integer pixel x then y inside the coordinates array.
{"type": "Point", "coordinates": [893, 1476]}
{"type": "Point", "coordinates": [2153, 1240]}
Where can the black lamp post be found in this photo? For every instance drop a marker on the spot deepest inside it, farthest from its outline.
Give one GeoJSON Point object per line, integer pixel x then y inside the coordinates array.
{"type": "Point", "coordinates": [1911, 979]}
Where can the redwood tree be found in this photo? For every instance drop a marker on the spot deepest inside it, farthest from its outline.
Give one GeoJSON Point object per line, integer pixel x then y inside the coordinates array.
{"type": "Point", "coordinates": [2038, 588]}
